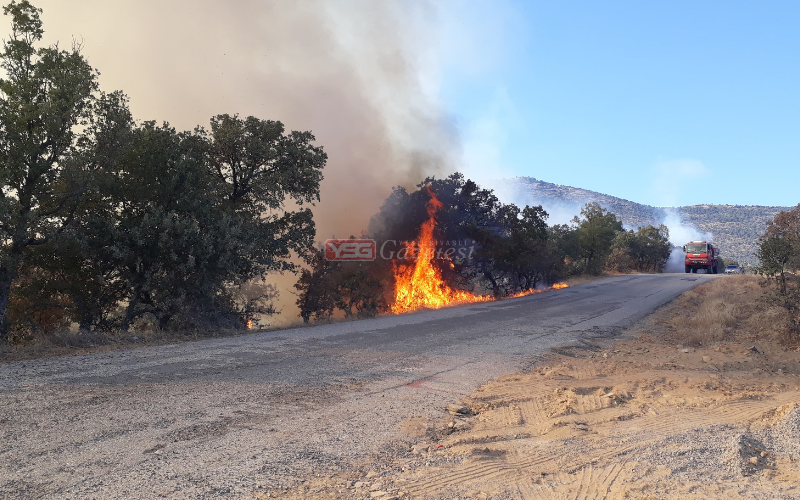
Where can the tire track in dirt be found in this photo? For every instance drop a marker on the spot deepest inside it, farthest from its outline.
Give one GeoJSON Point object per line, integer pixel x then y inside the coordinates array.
{"type": "Point", "coordinates": [581, 440]}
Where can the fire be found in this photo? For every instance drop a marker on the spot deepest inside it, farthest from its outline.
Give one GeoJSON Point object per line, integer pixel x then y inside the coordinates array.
{"type": "Point", "coordinates": [554, 286]}
{"type": "Point", "coordinates": [420, 286]}
{"type": "Point", "coordinates": [249, 323]}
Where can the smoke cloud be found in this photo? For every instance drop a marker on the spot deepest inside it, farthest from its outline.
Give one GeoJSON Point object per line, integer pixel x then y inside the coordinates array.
{"type": "Point", "coordinates": [354, 72]}
{"type": "Point", "coordinates": [349, 71]}
{"type": "Point", "coordinates": [679, 235]}
{"type": "Point", "coordinates": [508, 191]}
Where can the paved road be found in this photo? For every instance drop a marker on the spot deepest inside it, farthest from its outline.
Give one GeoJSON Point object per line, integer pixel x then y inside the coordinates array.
{"type": "Point", "coordinates": [229, 417]}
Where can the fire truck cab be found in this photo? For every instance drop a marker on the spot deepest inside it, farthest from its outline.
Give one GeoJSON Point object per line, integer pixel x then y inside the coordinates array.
{"type": "Point", "coordinates": [701, 255]}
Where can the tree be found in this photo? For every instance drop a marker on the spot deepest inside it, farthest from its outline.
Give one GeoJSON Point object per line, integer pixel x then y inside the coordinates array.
{"type": "Point", "coordinates": [597, 228]}
{"type": "Point", "coordinates": [567, 246]}
{"type": "Point", "coordinates": [357, 289]}
{"type": "Point", "coordinates": [45, 97]}
{"type": "Point", "coordinates": [515, 253]}
{"type": "Point", "coordinates": [645, 250]}
{"type": "Point", "coordinates": [779, 253]}
{"type": "Point", "coordinates": [96, 211]}
{"type": "Point", "coordinates": [190, 224]}
{"type": "Point", "coordinates": [502, 249]}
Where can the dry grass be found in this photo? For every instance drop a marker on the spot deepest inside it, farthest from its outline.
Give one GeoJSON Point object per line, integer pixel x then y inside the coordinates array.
{"type": "Point", "coordinates": [731, 307]}
{"type": "Point", "coordinates": [70, 342]}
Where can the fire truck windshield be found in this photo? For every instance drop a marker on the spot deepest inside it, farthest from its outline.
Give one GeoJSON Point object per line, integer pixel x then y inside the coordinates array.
{"type": "Point", "coordinates": [697, 248]}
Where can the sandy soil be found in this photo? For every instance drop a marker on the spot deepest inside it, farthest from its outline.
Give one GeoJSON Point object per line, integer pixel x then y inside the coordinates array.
{"type": "Point", "coordinates": [699, 400]}
{"type": "Point", "coordinates": [644, 417]}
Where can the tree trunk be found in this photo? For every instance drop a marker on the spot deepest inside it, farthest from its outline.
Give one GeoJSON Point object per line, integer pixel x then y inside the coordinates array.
{"type": "Point", "coordinates": [8, 273]}
{"type": "Point", "coordinates": [5, 290]}
{"type": "Point", "coordinates": [130, 311]}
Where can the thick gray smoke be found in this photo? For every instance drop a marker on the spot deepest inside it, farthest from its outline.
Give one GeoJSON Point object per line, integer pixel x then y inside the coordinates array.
{"type": "Point", "coordinates": [351, 71]}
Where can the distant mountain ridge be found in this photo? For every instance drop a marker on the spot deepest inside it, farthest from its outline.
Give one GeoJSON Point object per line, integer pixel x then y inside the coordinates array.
{"type": "Point", "coordinates": [735, 228]}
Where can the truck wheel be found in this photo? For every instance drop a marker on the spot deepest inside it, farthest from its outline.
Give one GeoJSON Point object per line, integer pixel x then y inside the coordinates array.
{"type": "Point", "coordinates": [687, 269]}
{"type": "Point", "coordinates": [716, 270]}
{"type": "Point", "coordinates": [694, 270]}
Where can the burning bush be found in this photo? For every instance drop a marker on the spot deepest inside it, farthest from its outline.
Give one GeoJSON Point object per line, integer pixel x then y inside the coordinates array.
{"type": "Point", "coordinates": [447, 242]}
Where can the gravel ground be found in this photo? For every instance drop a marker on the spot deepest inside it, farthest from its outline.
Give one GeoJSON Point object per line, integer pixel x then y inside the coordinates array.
{"type": "Point", "coordinates": [298, 412]}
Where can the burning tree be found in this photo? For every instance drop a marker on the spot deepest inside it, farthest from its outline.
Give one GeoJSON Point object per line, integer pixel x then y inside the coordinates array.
{"type": "Point", "coordinates": [420, 284]}
{"type": "Point", "coordinates": [449, 242]}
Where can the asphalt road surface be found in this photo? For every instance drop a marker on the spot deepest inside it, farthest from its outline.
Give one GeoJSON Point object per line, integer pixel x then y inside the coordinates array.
{"type": "Point", "coordinates": [229, 417]}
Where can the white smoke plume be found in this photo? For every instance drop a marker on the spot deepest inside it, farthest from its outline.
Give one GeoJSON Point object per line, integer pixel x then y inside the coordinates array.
{"type": "Point", "coordinates": [559, 212]}
{"type": "Point", "coordinates": [679, 235]}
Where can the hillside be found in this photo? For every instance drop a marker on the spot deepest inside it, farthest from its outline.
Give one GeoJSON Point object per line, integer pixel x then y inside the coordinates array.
{"type": "Point", "coordinates": [734, 228]}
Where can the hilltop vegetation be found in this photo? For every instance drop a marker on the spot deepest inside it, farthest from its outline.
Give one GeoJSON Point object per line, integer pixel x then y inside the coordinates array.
{"type": "Point", "coordinates": [555, 196]}
{"type": "Point", "coordinates": [735, 228]}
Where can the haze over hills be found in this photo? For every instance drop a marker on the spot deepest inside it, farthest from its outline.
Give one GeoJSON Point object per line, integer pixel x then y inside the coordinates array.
{"type": "Point", "coordinates": [734, 228]}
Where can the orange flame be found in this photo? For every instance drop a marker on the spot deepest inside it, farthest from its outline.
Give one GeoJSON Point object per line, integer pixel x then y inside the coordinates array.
{"type": "Point", "coordinates": [420, 286]}
{"type": "Point", "coordinates": [249, 324]}
{"type": "Point", "coordinates": [554, 286]}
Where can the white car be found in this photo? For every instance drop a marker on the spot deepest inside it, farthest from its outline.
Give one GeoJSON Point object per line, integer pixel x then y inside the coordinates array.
{"type": "Point", "coordinates": [732, 269]}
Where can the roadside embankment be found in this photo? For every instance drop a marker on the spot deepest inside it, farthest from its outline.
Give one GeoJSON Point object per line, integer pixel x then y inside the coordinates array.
{"type": "Point", "coordinates": [699, 400]}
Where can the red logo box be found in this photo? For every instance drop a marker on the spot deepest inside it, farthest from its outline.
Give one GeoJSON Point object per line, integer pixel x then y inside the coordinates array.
{"type": "Point", "coordinates": [346, 250]}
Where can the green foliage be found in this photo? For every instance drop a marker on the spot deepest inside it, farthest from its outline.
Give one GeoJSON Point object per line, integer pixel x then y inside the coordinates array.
{"type": "Point", "coordinates": [596, 230]}
{"type": "Point", "coordinates": [181, 233]}
{"type": "Point", "coordinates": [502, 249]}
{"type": "Point", "coordinates": [97, 212]}
{"type": "Point", "coordinates": [356, 289]}
{"type": "Point", "coordinates": [46, 96]}
{"type": "Point", "coordinates": [779, 253]}
{"type": "Point", "coordinates": [515, 253]}
{"type": "Point", "coordinates": [645, 250]}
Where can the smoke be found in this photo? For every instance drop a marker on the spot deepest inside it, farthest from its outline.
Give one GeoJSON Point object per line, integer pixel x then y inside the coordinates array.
{"type": "Point", "coordinates": [669, 187]}
{"type": "Point", "coordinates": [352, 72]}
{"type": "Point", "coordinates": [356, 73]}
{"type": "Point", "coordinates": [679, 235]}
{"type": "Point", "coordinates": [508, 191]}
{"type": "Point", "coordinates": [675, 264]}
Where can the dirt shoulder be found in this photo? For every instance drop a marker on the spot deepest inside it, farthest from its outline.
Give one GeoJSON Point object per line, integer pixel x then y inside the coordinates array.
{"type": "Point", "coordinates": [74, 342]}
{"type": "Point", "coordinates": [700, 400]}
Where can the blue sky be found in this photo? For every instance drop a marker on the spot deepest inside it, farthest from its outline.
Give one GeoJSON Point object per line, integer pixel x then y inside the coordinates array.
{"type": "Point", "coordinates": [664, 103]}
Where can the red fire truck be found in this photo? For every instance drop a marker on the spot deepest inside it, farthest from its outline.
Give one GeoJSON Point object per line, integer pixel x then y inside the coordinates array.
{"type": "Point", "coordinates": [701, 255]}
